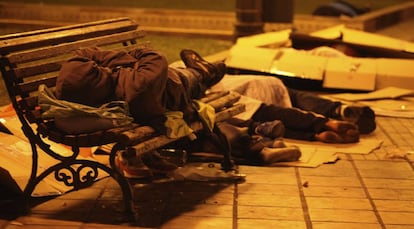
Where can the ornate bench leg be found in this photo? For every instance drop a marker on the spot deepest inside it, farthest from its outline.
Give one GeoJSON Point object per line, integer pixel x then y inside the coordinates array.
{"type": "Point", "coordinates": [127, 189]}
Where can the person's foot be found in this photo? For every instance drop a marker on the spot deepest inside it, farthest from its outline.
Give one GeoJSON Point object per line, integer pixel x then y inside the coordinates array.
{"type": "Point", "coordinates": [285, 154]}
{"type": "Point", "coordinates": [273, 129]}
{"type": "Point", "coordinates": [362, 116]}
{"type": "Point", "coordinates": [329, 136]}
{"type": "Point", "coordinates": [212, 73]}
{"type": "Point", "coordinates": [339, 126]}
{"type": "Point", "coordinates": [273, 143]}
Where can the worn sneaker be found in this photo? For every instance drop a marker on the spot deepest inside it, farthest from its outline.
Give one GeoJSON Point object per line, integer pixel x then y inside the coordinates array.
{"type": "Point", "coordinates": [157, 163]}
{"type": "Point", "coordinates": [362, 116]}
{"type": "Point", "coordinates": [132, 167]}
{"type": "Point", "coordinates": [211, 73]}
{"type": "Point", "coordinates": [273, 129]}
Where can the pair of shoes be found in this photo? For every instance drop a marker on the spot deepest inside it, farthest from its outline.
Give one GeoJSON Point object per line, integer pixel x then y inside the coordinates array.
{"type": "Point", "coordinates": [131, 167]}
{"type": "Point", "coordinates": [157, 163]}
{"type": "Point", "coordinates": [362, 116]}
{"type": "Point", "coordinates": [176, 156]}
{"type": "Point", "coordinates": [211, 73]}
{"type": "Point", "coordinates": [329, 136]}
{"type": "Point", "coordinates": [272, 129]}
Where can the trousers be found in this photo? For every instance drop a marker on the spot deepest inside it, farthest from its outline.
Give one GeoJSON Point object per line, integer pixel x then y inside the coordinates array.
{"type": "Point", "coordinates": [302, 121]}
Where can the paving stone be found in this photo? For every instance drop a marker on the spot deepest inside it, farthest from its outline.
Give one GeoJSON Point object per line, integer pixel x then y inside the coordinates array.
{"type": "Point", "coordinates": [198, 222]}
{"type": "Point", "coordinates": [202, 198]}
{"type": "Point", "coordinates": [395, 205]}
{"type": "Point", "coordinates": [391, 194]}
{"type": "Point", "coordinates": [269, 200]}
{"type": "Point", "coordinates": [272, 212]}
{"type": "Point", "coordinates": [320, 191]}
{"type": "Point", "coordinates": [214, 210]}
{"type": "Point", "coordinates": [341, 215]}
{"type": "Point", "coordinates": [338, 203]}
{"type": "Point", "coordinates": [341, 168]}
{"type": "Point", "coordinates": [397, 218]}
{"type": "Point", "coordinates": [336, 225]}
{"type": "Point", "coordinates": [272, 178]}
{"type": "Point", "coordinates": [269, 189]}
{"type": "Point", "coordinates": [385, 169]}
{"type": "Point", "coordinates": [264, 223]}
{"type": "Point", "coordinates": [331, 181]}
{"type": "Point", "coordinates": [387, 183]}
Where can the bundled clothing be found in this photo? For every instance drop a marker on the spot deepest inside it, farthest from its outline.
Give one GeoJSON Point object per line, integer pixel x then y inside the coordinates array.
{"type": "Point", "coordinates": [140, 77]}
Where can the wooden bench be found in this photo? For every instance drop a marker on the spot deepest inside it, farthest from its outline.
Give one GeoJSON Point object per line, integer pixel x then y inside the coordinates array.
{"type": "Point", "coordinates": [34, 58]}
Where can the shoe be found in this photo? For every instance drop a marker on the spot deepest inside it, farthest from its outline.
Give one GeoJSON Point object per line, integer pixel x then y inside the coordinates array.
{"type": "Point", "coordinates": [362, 116]}
{"type": "Point", "coordinates": [273, 129]}
{"type": "Point", "coordinates": [157, 163]}
{"type": "Point", "coordinates": [176, 156]}
{"type": "Point", "coordinates": [131, 167]}
{"type": "Point", "coordinates": [211, 73]}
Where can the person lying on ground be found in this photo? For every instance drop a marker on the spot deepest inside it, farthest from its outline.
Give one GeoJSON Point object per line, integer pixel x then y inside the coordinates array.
{"type": "Point", "coordinates": [306, 116]}
{"type": "Point", "coordinates": [251, 148]}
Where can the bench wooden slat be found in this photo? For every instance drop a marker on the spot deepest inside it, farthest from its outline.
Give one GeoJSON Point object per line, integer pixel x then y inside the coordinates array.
{"type": "Point", "coordinates": [63, 36]}
{"type": "Point", "coordinates": [61, 28]}
{"type": "Point", "coordinates": [224, 101]}
{"type": "Point", "coordinates": [61, 49]}
{"type": "Point", "coordinates": [42, 68]}
{"type": "Point", "coordinates": [29, 87]}
{"type": "Point", "coordinates": [52, 65]}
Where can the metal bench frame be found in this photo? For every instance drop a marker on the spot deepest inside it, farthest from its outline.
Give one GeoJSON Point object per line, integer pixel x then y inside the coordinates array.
{"type": "Point", "coordinates": [30, 59]}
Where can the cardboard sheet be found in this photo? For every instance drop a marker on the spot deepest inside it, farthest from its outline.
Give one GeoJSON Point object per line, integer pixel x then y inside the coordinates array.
{"type": "Point", "coordinates": [385, 93]}
{"type": "Point", "coordinates": [15, 154]}
{"type": "Point", "coordinates": [402, 107]}
{"type": "Point", "coordinates": [364, 38]}
{"type": "Point", "coordinates": [274, 39]}
{"type": "Point", "coordinates": [264, 53]}
{"type": "Point", "coordinates": [389, 102]}
{"type": "Point", "coordinates": [350, 73]}
{"type": "Point", "coordinates": [315, 154]}
{"type": "Point", "coordinates": [16, 157]}
{"type": "Point", "coordinates": [252, 58]}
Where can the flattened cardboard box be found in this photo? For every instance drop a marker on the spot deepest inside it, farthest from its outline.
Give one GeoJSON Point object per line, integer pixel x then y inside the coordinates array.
{"type": "Point", "coordinates": [265, 53]}
{"type": "Point", "coordinates": [16, 157]}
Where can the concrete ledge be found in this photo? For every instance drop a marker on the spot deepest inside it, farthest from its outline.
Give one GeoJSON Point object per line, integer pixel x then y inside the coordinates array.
{"type": "Point", "coordinates": [189, 22]}
{"type": "Point", "coordinates": [369, 22]}
{"type": "Point", "coordinates": [175, 21]}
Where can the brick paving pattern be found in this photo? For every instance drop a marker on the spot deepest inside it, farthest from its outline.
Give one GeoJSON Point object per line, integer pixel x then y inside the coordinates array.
{"type": "Point", "coordinates": [357, 191]}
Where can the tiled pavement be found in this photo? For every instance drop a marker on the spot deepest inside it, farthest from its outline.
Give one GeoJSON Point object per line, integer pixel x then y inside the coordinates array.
{"type": "Point", "coordinates": [358, 191]}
